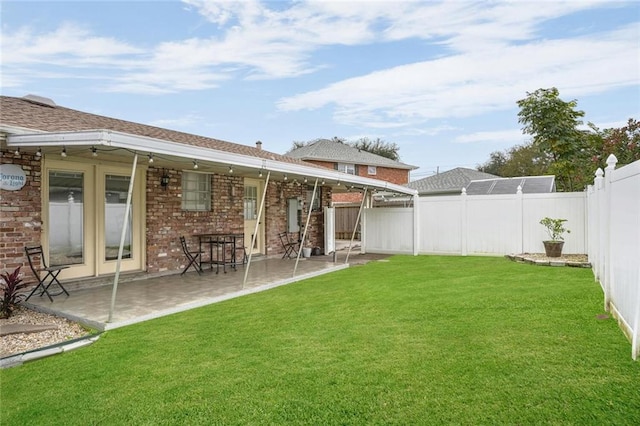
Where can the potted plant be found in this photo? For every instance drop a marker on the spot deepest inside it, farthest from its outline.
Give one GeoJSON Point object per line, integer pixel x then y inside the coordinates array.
{"type": "Point", "coordinates": [555, 228]}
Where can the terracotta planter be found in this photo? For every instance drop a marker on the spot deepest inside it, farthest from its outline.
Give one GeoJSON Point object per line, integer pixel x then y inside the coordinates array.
{"type": "Point", "coordinates": [553, 248]}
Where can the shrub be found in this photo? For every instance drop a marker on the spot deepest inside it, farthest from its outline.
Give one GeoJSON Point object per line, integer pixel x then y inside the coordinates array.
{"type": "Point", "coordinates": [12, 292]}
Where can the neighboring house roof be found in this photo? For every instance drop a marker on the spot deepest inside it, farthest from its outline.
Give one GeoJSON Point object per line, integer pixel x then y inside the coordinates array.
{"type": "Point", "coordinates": [528, 185]}
{"type": "Point", "coordinates": [449, 182]}
{"type": "Point", "coordinates": [338, 152]}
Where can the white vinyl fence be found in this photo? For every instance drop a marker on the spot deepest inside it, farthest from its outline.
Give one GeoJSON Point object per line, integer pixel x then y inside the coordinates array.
{"type": "Point", "coordinates": [476, 224]}
{"type": "Point", "coordinates": [614, 244]}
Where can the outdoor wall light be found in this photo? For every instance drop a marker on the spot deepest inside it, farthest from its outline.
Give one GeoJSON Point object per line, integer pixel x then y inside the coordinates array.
{"type": "Point", "coordinates": [150, 158]}
{"type": "Point", "coordinates": [164, 180]}
{"type": "Point", "coordinates": [17, 152]}
{"type": "Point", "coordinates": [63, 154]}
{"type": "Point", "coordinates": [260, 173]}
{"type": "Point", "coordinates": [39, 153]}
{"type": "Point", "coordinates": [230, 170]}
{"type": "Point", "coordinates": [94, 151]}
{"type": "Point", "coordinates": [286, 178]}
{"type": "Point", "coordinates": [195, 164]}
{"type": "Point", "coordinates": [305, 179]}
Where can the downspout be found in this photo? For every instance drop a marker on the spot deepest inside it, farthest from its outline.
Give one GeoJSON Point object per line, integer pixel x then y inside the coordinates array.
{"type": "Point", "coordinates": [353, 234]}
{"type": "Point", "coordinates": [306, 226]}
{"type": "Point", "coordinates": [255, 231]}
{"type": "Point", "coordinates": [123, 235]}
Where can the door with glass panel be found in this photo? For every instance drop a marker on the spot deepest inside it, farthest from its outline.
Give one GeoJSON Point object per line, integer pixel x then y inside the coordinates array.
{"type": "Point", "coordinates": [113, 186]}
{"type": "Point", "coordinates": [252, 197]}
{"type": "Point", "coordinates": [84, 209]}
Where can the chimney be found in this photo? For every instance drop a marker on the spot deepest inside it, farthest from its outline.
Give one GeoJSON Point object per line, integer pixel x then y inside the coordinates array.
{"type": "Point", "coordinates": [258, 145]}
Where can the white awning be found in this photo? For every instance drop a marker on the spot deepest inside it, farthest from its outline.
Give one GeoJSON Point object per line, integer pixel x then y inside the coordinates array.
{"type": "Point", "coordinates": [182, 156]}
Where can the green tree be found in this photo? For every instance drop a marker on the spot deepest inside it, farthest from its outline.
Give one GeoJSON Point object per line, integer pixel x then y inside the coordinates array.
{"type": "Point", "coordinates": [623, 142]}
{"type": "Point", "coordinates": [520, 160]}
{"type": "Point", "coordinates": [494, 164]}
{"type": "Point", "coordinates": [378, 147]}
{"type": "Point", "coordinates": [553, 123]}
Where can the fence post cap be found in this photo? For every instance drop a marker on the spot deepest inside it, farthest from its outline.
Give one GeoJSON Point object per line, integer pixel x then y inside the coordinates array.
{"type": "Point", "coordinates": [599, 173]}
{"type": "Point", "coordinates": [611, 161]}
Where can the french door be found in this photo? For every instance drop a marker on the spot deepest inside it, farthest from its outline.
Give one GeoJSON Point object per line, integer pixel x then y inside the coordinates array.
{"type": "Point", "coordinates": [252, 196]}
{"type": "Point", "coordinates": [84, 208]}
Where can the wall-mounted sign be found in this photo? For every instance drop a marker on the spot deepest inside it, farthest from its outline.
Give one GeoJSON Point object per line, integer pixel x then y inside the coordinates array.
{"type": "Point", "coordinates": [12, 177]}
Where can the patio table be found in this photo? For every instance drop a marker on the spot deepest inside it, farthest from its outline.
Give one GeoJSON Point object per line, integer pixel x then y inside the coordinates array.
{"type": "Point", "coordinates": [222, 242]}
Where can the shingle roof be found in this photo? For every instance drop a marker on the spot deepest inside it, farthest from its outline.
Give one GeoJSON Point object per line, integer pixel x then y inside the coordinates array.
{"type": "Point", "coordinates": [451, 181]}
{"type": "Point", "coordinates": [328, 150]}
{"type": "Point", "coordinates": [528, 184]}
{"type": "Point", "coordinates": [28, 113]}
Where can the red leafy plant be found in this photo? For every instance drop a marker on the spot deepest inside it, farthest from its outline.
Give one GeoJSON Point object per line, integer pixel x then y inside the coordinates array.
{"type": "Point", "coordinates": [13, 291]}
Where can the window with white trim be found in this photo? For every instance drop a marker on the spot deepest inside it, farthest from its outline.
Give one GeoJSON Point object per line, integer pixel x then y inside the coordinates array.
{"type": "Point", "coordinates": [196, 191]}
{"type": "Point", "coordinates": [372, 170]}
{"type": "Point", "coordinates": [349, 168]}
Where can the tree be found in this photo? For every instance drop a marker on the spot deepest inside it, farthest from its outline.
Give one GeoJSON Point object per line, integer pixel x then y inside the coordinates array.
{"type": "Point", "coordinates": [378, 147]}
{"type": "Point", "coordinates": [494, 165]}
{"type": "Point", "coordinates": [623, 142]}
{"type": "Point", "coordinates": [520, 160]}
{"type": "Point", "coordinates": [553, 123]}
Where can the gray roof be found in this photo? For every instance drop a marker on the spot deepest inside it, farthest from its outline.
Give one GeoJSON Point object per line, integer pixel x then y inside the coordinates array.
{"type": "Point", "coordinates": [529, 185]}
{"type": "Point", "coordinates": [449, 182]}
{"type": "Point", "coordinates": [328, 150]}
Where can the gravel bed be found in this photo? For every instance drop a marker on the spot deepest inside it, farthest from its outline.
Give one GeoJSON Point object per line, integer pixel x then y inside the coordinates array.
{"type": "Point", "coordinates": [23, 342]}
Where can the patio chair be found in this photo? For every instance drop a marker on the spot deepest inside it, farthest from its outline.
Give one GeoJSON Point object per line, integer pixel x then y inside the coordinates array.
{"type": "Point", "coordinates": [193, 257]}
{"type": "Point", "coordinates": [289, 247]}
{"type": "Point", "coordinates": [49, 278]}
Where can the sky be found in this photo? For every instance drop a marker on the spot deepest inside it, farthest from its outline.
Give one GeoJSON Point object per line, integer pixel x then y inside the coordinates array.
{"type": "Point", "coordinates": [439, 79]}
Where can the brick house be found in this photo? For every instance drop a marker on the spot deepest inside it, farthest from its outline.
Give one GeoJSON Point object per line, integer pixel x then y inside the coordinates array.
{"type": "Point", "coordinates": [349, 160]}
{"type": "Point", "coordinates": [66, 176]}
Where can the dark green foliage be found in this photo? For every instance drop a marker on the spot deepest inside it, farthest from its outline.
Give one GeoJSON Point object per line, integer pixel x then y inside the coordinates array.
{"type": "Point", "coordinates": [13, 291]}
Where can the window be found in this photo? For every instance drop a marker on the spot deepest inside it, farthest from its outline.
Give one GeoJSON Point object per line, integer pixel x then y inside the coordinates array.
{"type": "Point", "coordinates": [347, 168]}
{"type": "Point", "coordinates": [371, 170]}
{"type": "Point", "coordinates": [196, 191]}
{"type": "Point", "coordinates": [317, 202]}
{"type": "Point", "coordinates": [250, 202]}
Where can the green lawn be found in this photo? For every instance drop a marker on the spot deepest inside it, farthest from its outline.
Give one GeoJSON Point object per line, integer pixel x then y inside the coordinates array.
{"type": "Point", "coordinates": [416, 340]}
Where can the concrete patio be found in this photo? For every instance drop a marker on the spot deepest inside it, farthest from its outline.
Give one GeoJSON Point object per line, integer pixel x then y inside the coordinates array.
{"type": "Point", "coordinates": [141, 297]}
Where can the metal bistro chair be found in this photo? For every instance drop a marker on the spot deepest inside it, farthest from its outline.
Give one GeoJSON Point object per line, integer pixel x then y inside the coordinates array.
{"type": "Point", "coordinates": [289, 246]}
{"type": "Point", "coordinates": [49, 278]}
{"type": "Point", "coordinates": [192, 256]}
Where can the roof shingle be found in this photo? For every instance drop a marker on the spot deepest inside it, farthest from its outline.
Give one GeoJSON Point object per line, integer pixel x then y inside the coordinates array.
{"type": "Point", "coordinates": [328, 150]}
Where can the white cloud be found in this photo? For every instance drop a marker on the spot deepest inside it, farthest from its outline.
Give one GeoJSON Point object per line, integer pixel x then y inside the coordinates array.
{"type": "Point", "coordinates": [479, 82]}
{"type": "Point", "coordinates": [259, 40]}
{"type": "Point", "coordinates": [512, 137]}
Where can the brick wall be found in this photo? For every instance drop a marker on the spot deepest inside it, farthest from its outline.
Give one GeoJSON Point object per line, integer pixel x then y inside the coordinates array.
{"type": "Point", "coordinates": [20, 218]}
{"type": "Point", "coordinates": [276, 214]}
{"type": "Point", "coordinates": [166, 221]}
